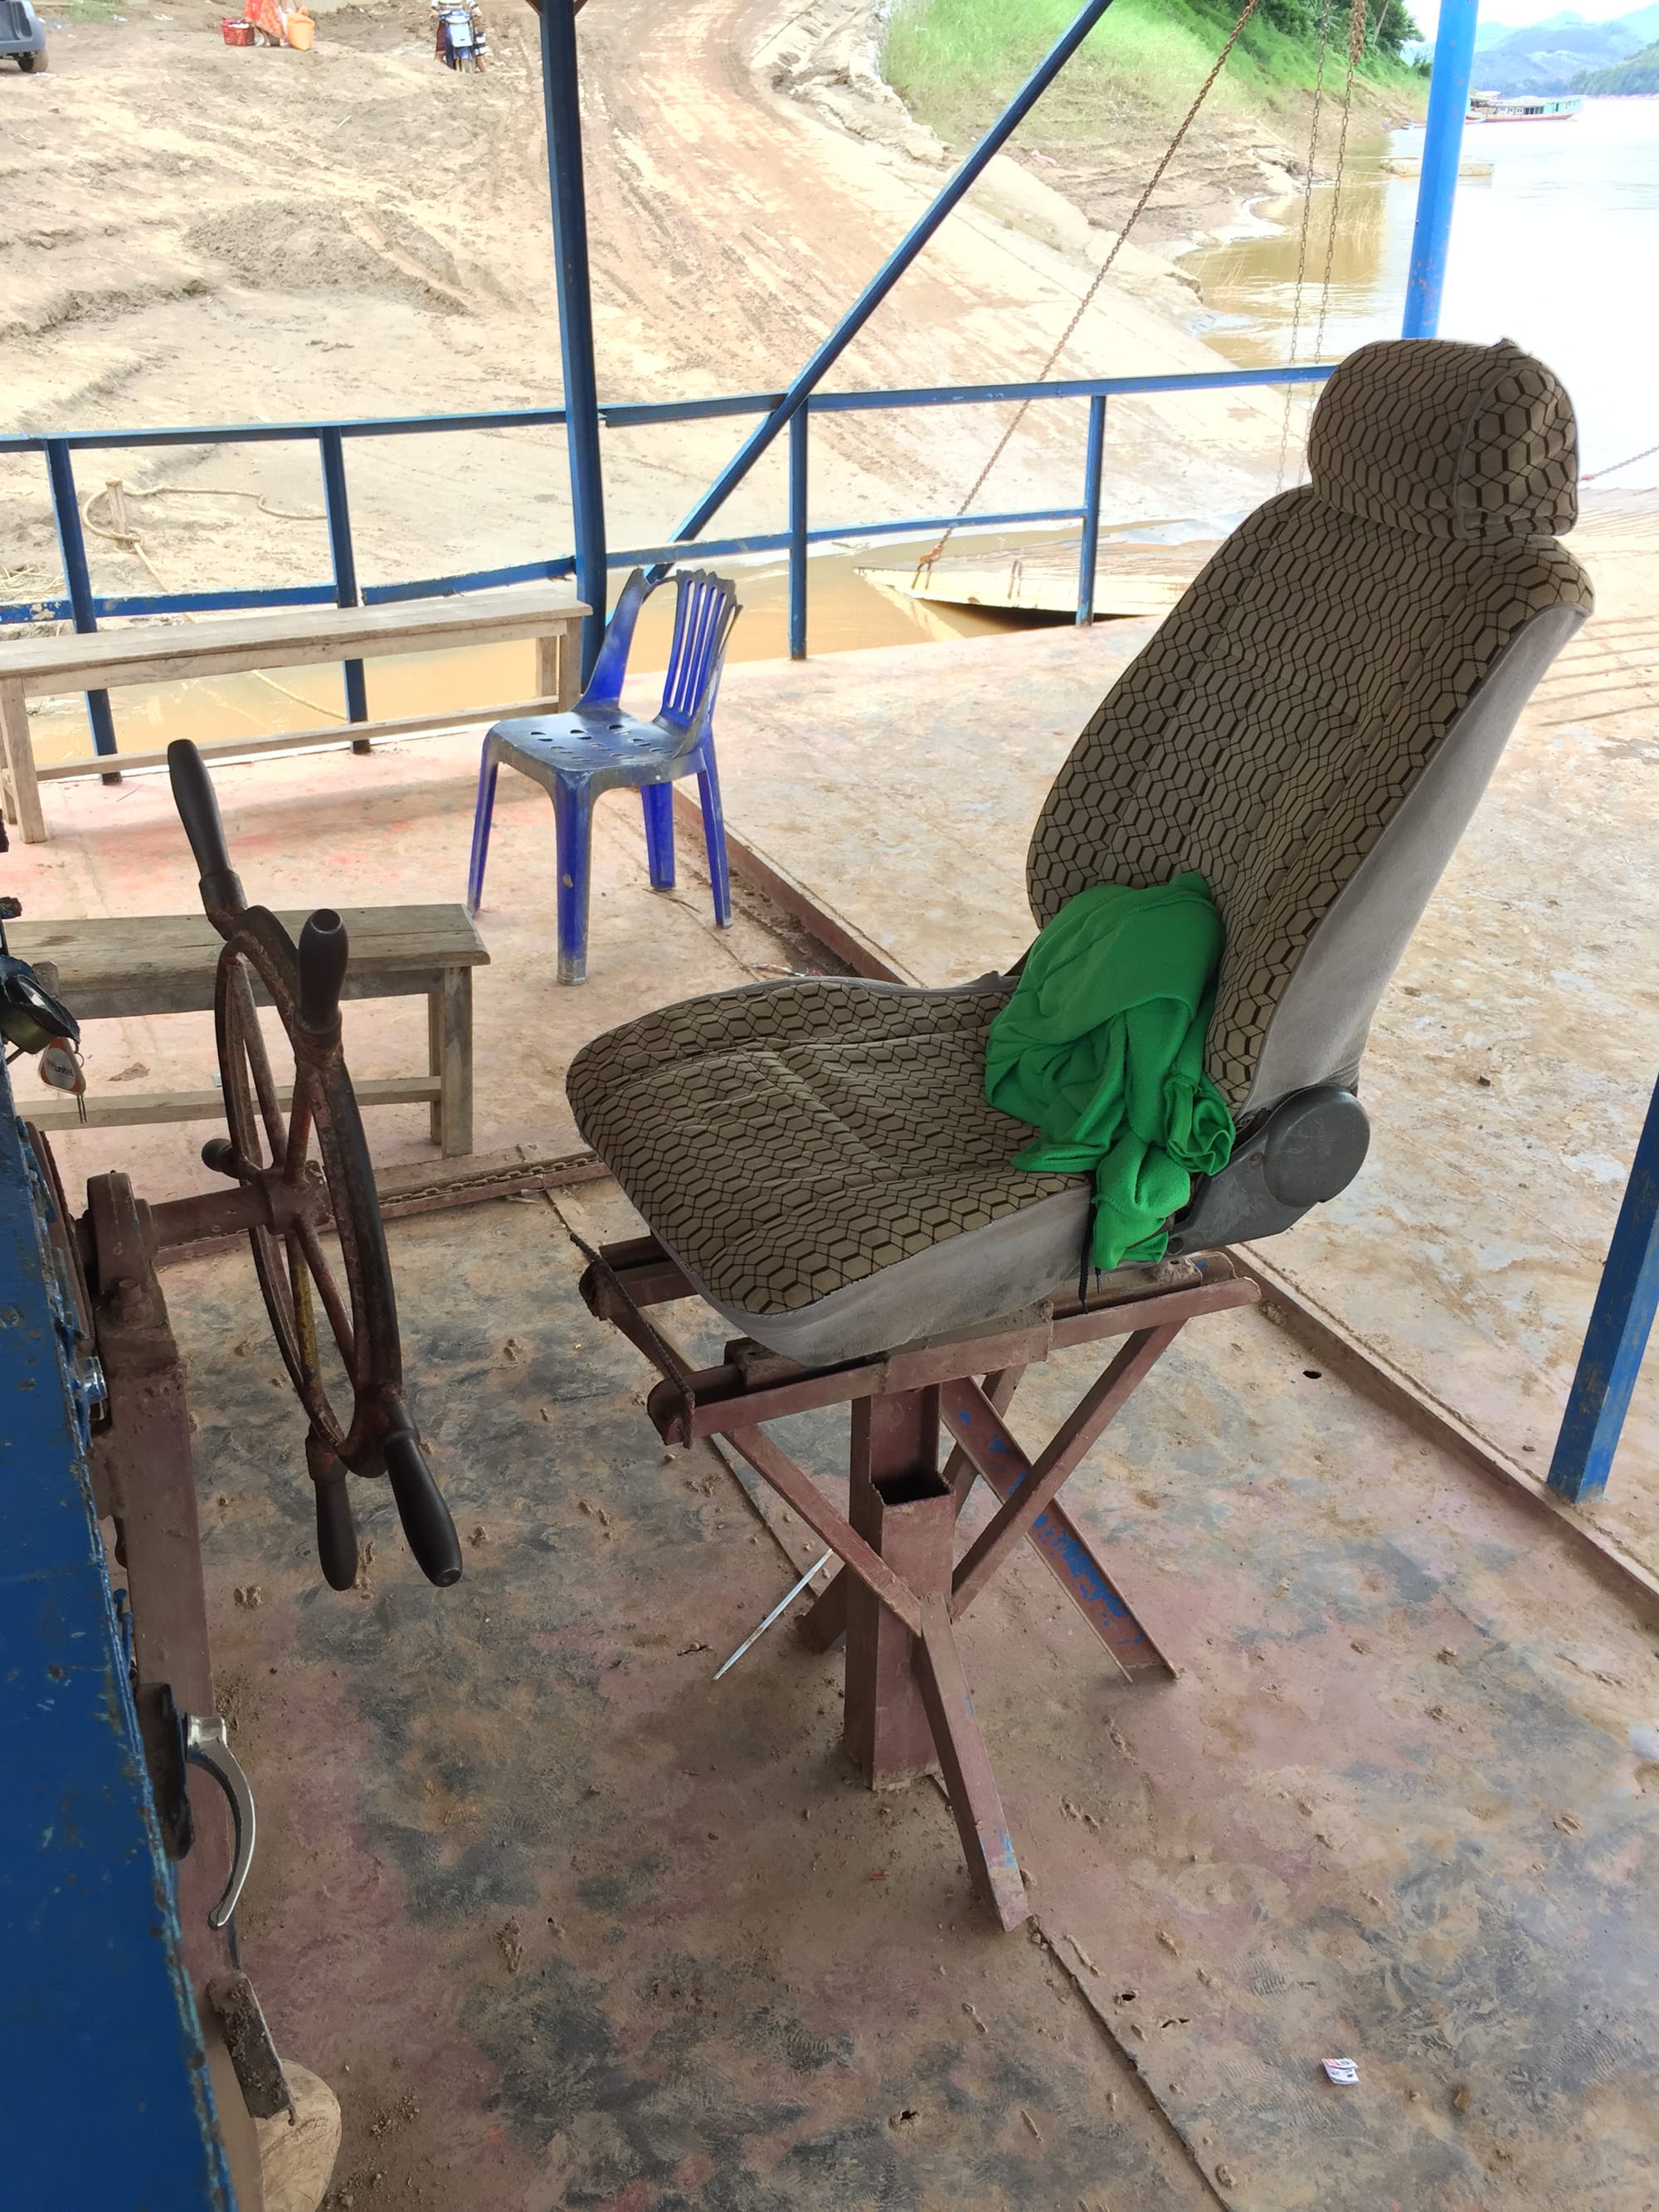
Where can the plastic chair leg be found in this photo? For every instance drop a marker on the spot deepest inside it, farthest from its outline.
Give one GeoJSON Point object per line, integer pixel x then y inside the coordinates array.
{"type": "Point", "coordinates": [714, 836]}
{"type": "Point", "coordinates": [487, 771]}
{"type": "Point", "coordinates": [658, 800]}
{"type": "Point", "coordinates": [573, 821]}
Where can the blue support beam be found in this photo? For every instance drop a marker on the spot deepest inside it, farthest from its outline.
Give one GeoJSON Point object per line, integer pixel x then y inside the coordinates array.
{"type": "Point", "coordinates": [563, 107]}
{"type": "Point", "coordinates": [892, 269]}
{"type": "Point", "coordinates": [345, 561]}
{"type": "Point", "coordinates": [1620, 1324]}
{"type": "Point", "coordinates": [798, 479]}
{"type": "Point", "coordinates": [78, 580]}
{"type": "Point", "coordinates": [1443, 143]}
{"type": "Point", "coordinates": [1094, 463]}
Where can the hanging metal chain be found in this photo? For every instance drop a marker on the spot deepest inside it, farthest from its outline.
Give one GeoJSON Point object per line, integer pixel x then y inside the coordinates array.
{"type": "Point", "coordinates": [1356, 48]}
{"type": "Point", "coordinates": [1613, 467]}
{"type": "Point", "coordinates": [1100, 276]}
{"type": "Point", "coordinates": [1302, 246]}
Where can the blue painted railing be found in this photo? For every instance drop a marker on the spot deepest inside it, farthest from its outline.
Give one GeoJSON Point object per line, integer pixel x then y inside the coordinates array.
{"type": "Point", "coordinates": [80, 604]}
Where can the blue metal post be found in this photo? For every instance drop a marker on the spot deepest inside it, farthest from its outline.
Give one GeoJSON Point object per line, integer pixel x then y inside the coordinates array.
{"type": "Point", "coordinates": [1443, 140]}
{"type": "Point", "coordinates": [332, 448]}
{"type": "Point", "coordinates": [77, 582]}
{"type": "Point", "coordinates": [893, 268]}
{"type": "Point", "coordinates": [581, 394]}
{"type": "Point", "coordinates": [1094, 459]}
{"type": "Point", "coordinates": [798, 467]}
{"type": "Point", "coordinates": [1621, 1322]}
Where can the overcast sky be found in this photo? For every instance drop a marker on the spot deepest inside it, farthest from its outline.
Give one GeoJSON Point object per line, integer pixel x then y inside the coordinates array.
{"type": "Point", "coordinates": [1517, 13]}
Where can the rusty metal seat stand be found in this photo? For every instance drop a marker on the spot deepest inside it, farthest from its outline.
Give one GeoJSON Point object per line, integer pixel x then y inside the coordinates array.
{"type": "Point", "coordinates": [901, 1588]}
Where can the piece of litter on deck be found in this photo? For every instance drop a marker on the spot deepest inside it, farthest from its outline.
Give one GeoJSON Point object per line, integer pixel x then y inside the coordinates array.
{"type": "Point", "coordinates": [782, 1606]}
{"type": "Point", "coordinates": [1341, 2069]}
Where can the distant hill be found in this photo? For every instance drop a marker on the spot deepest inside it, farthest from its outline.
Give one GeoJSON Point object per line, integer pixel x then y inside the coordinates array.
{"type": "Point", "coordinates": [1551, 56]}
{"type": "Point", "coordinates": [1640, 74]}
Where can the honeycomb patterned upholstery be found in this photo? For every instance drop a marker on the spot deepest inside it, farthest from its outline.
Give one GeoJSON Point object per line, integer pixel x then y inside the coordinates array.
{"type": "Point", "coordinates": [791, 1140]}
{"type": "Point", "coordinates": [1475, 443]}
{"type": "Point", "coordinates": [1274, 725]}
{"type": "Point", "coordinates": [788, 1139]}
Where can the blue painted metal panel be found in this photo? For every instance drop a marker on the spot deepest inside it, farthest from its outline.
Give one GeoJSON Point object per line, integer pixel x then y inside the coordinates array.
{"type": "Point", "coordinates": [1436, 188]}
{"type": "Point", "coordinates": [106, 2084]}
{"type": "Point", "coordinates": [1620, 1324]}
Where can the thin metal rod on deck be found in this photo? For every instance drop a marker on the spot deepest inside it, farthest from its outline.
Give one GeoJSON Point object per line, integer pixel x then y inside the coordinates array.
{"type": "Point", "coordinates": [891, 270]}
{"type": "Point", "coordinates": [1620, 1324]}
{"type": "Point", "coordinates": [77, 581]}
{"type": "Point", "coordinates": [1443, 141]}
{"type": "Point", "coordinates": [1094, 461]}
{"type": "Point", "coordinates": [797, 468]}
{"type": "Point", "coordinates": [332, 449]}
{"type": "Point", "coordinates": [581, 392]}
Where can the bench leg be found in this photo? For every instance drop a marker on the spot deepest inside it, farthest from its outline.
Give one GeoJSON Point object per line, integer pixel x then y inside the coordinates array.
{"type": "Point", "coordinates": [23, 791]}
{"type": "Point", "coordinates": [556, 668]}
{"type": "Point", "coordinates": [449, 1035]}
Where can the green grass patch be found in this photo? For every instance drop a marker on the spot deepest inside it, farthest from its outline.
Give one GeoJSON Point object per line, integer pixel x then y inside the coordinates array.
{"type": "Point", "coordinates": [957, 63]}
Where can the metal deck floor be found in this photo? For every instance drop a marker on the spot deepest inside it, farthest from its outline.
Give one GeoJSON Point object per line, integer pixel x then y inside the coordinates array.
{"type": "Point", "coordinates": [566, 1924]}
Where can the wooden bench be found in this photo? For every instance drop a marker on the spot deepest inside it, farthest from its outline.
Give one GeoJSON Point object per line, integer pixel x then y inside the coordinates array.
{"type": "Point", "coordinates": [104, 660]}
{"type": "Point", "coordinates": [165, 963]}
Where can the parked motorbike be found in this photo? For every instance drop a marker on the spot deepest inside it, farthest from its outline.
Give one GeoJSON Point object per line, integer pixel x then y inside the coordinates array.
{"type": "Point", "coordinates": [460, 39]}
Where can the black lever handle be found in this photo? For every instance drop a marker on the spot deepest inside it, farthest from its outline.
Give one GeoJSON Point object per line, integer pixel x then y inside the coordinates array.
{"type": "Point", "coordinates": [337, 1531]}
{"type": "Point", "coordinates": [324, 951]}
{"type": "Point", "coordinates": [198, 810]}
{"type": "Point", "coordinates": [421, 1508]}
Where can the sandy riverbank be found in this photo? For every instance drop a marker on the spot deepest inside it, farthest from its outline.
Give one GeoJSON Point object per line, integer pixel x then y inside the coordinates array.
{"type": "Point", "coordinates": [216, 235]}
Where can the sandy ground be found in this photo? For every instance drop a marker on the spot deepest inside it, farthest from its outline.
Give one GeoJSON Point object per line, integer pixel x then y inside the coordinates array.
{"type": "Point", "coordinates": [218, 234]}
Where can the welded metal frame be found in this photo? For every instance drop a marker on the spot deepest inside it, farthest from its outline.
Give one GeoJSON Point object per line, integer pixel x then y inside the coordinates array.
{"type": "Point", "coordinates": [1620, 1324]}
{"type": "Point", "coordinates": [901, 1590]}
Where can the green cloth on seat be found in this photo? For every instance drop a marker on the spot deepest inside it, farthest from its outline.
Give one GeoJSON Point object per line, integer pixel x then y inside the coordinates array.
{"type": "Point", "coordinates": [1102, 1049]}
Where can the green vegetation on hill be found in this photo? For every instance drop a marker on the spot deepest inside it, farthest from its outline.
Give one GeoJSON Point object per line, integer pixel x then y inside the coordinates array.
{"type": "Point", "coordinates": [1639, 73]}
{"type": "Point", "coordinates": [956, 62]}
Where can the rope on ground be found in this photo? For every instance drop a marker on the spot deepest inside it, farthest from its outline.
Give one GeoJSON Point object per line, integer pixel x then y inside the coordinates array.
{"type": "Point", "coordinates": [1613, 467]}
{"type": "Point", "coordinates": [131, 541]}
{"type": "Point", "coordinates": [1100, 275]}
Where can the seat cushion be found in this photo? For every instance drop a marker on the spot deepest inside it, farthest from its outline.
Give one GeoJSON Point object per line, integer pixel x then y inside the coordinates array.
{"type": "Point", "coordinates": [818, 1156]}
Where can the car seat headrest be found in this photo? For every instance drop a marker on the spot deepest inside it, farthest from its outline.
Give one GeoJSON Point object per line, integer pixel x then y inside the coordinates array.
{"type": "Point", "coordinates": [1444, 439]}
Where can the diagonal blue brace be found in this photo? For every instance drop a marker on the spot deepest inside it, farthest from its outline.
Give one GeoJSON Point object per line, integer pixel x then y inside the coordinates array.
{"type": "Point", "coordinates": [1619, 1325]}
{"type": "Point", "coordinates": [891, 270]}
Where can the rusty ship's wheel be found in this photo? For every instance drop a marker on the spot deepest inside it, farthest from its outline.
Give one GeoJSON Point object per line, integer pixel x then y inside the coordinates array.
{"type": "Point", "coordinates": [290, 1197]}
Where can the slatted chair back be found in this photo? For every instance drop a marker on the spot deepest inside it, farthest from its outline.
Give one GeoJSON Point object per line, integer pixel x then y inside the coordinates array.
{"type": "Point", "coordinates": [705, 608]}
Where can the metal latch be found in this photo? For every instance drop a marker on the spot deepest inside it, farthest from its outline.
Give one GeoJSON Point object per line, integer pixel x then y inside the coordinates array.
{"type": "Point", "coordinates": [207, 1745]}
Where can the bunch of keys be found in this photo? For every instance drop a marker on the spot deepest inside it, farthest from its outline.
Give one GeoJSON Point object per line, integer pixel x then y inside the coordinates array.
{"type": "Point", "coordinates": [31, 1020]}
{"type": "Point", "coordinates": [61, 1069]}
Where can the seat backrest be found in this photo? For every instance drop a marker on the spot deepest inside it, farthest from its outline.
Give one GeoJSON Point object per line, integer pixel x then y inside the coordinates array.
{"type": "Point", "coordinates": [1314, 724]}
{"type": "Point", "coordinates": [705, 608]}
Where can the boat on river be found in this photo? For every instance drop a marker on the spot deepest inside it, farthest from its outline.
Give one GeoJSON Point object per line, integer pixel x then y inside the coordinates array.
{"type": "Point", "coordinates": [1522, 107]}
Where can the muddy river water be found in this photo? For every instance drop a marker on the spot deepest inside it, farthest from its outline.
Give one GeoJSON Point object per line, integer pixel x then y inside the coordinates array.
{"type": "Point", "coordinates": [1556, 246]}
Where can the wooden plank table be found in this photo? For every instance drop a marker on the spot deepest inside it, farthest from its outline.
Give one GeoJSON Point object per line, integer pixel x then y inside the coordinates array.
{"type": "Point", "coordinates": [104, 660]}
{"type": "Point", "coordinates": [165, 963]}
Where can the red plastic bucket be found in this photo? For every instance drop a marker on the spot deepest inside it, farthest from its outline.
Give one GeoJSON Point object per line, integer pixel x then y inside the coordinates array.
{"type": "Point", "coordinates": [235, 34]}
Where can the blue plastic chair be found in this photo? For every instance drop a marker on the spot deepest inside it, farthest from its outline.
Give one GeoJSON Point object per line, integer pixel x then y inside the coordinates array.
{"type": "Point", "coordinates": [596, 746]}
